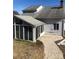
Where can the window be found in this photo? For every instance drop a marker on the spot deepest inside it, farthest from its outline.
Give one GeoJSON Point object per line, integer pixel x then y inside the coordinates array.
{"type": "Point", "coordinates": [42, 28]}
{"type": "Point", "coordinates": [56, 26]}
{"type": "Point", "coordinates": [18, 21]}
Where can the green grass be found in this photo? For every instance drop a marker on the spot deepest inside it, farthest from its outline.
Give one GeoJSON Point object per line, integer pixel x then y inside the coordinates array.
{"type": "Point", "coordinates": [27, 50]}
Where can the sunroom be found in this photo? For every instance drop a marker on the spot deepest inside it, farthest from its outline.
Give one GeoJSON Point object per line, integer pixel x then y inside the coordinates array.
{"type": "Point", "coordinates": [26, 28]}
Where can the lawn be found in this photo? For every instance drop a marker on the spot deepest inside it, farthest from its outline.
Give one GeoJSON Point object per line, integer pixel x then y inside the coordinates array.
{"type": "Point", "coordinates": [27, 50]}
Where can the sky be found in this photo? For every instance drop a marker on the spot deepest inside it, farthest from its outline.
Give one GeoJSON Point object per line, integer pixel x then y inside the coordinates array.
{"type": "Point", "coordinates": [19, 5]}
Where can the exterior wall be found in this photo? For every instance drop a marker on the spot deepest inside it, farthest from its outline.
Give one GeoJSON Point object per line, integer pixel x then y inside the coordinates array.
{"type": "Point", "coordinates": [35, 32]}
{"type": "Point", "coordinates": [22, 30]}
{"type": "Point", "coordinates": [50, 28]}
{"type": "Point", "coordinates": [39, 31]}
{"type": "Point", "coordinates": [63, 30]}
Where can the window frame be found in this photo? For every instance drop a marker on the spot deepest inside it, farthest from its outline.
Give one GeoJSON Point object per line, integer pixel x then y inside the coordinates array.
{"type": "Point", "coordinates": [56, 26]}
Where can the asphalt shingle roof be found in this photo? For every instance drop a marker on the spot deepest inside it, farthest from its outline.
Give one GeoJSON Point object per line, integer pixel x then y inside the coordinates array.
{"type": "Point", "coordinates": [48, 12]}
{"type": "Point", "coordinates": [51, 13]}
{"type": "Point", "coordinates": [30, 9]}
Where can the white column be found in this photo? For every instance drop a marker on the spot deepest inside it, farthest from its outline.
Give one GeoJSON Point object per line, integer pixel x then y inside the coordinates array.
{"type": "Point", "coordinates": [15, 29]}
{"type": "Point", "coordinates": [28, 33]}
{"type": "Point", "coordinates": [23, 33]}
{"type": "Point", "coordinates": [19, 31]}
{"type": "Point", "coordinates": [34, 34]}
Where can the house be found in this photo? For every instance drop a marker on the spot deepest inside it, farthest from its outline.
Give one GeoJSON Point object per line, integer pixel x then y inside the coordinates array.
{"type": "Point", "coordinates": [36, 20]}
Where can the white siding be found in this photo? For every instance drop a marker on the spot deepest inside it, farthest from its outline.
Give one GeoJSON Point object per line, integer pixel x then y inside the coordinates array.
{"type": "Point", "coordinates": [50, 28]}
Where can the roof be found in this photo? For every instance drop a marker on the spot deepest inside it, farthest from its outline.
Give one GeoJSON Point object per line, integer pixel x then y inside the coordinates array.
{"type": "Point", "coordinates": [48, 12]}
{"type": "Point", "coordinates": [51, 13]}
{"type": "Point", "coordinates": [30, 20]}
{"type": "Point", "coordinates": [31, 8]}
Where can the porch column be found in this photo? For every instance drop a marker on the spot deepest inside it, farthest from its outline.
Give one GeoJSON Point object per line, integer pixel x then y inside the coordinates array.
{"type": "Point", "coordinates": [23, 33]}
{"type": "Point", "coordinates": [34, 34]}
{"type": "Point", "coordinates": [15, 30]}
{"type": "Point", "coordinates": [19, 31]}
{"type": "Point", "coordinates": [28, 33]}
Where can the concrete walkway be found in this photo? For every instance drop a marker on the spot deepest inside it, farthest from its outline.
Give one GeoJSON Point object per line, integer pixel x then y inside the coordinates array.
{"type": "Point", "coordinates": [51, 50]}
